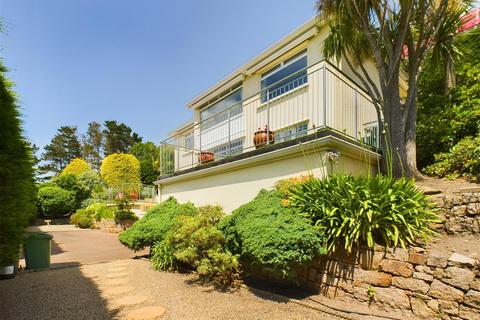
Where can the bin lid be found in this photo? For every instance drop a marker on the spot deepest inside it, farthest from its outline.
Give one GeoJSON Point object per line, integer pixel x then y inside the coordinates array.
{"type": "Point", "coordinates": [37, 236]}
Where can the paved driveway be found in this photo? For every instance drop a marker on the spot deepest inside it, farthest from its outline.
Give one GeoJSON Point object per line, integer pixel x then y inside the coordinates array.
{"type": "Point", "coordinates": [73, 246]}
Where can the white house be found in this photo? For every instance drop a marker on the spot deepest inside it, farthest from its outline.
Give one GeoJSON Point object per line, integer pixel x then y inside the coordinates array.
{"type": "Point", "coordinates": [306, 115]}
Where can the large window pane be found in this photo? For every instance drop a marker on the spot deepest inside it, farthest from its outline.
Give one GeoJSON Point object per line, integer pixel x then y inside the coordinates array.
{"type": "Point", "coordinates": [219, 106]}
{"type": "Point", "coordinates": [291, 74]}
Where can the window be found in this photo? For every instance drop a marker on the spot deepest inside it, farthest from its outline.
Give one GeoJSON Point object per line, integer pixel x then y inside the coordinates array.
{"type": "Point", "coordinates": [285, 77]}
{"type": "Point", "coordinates": [293, 132]}
{"type": "Point", "coordinates": [214, 112]}
{"type": "Point", "coordinates": [235, 147]}
{"type": "Point", "coordinates": [189, 141]}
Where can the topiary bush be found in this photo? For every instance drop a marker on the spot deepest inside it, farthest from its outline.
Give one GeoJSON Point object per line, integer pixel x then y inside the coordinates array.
{"type": "Point", "coordinates": [195, 242]}
{"type": "Point", "coordinates": [353, 211]}
{"type": "Point", "coordinates": [270, 236]}
{"type": "Point", "coordinates": [76, 166]}
{"type": "Point", "coordinates": [85, 222]}
{"type": "Point", "coordinates": [55, 201]}
{"type": "Point", "coordinates": [153, 227]}
{"type": "Point", "coordinates": [17, 188]}
{"type": "Point", "coordinates": [121, 172]}
{"type": "Point", "coordinates": [463, 160]}
{"type": "Point", "coordinates": [82, 219]}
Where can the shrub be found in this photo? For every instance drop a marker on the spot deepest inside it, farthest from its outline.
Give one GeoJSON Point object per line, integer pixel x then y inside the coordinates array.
{"type": "Point", "coordinates": [196, 243]}
{"type": "Point", "coordinates": [123, 210]}
{"type": "Point", "coordinates": [76, 166]}
{"type": "Point", "coordinates": [55, 201]}
{"type": "Point", "coordinates": [352, 210]}
{"type": "Point", "coordinates": [84, 185]}
{"type": "Point", "coordinates": [270, 236]}
{"type": "Point", "coordinates": [82, 219]}
{"type": "Point", "coordinates": [121, 172]}
{"type": "Point", "coordinates": [100, 211]}
{"type": "Point", "coordinates": [155, 224]}
{"type": "Point", "coordinates": [463, 160]}
{"type": "Point", "coordinates": [17, 188]}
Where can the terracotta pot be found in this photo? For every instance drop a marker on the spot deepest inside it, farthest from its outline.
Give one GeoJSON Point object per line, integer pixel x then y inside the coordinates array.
{"type": "Point", "coordinates": [262, 137]}
{"type": "Point", "coordinates": [133, 195]}
{"type": "Point", "coordinates": [206, 157]}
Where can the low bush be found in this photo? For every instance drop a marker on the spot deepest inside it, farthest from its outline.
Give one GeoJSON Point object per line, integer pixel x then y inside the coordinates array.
{"type": "Point", "coordinates": [153, 227]}
{"type": "Point", "coordinates": [100, 211]}
{"type": "Point", "coordinates": [270, 236]}
{"type": "Point", "coordinates": [55, 201]}
{"type": "Point", "coordinates": [463, 160]}
{"type": "Point", "coordinates": [195, 242]}
{"type": "Point", "coordinates": [82, 219]}
{"type": "Point", "coordinates": [123, 210]}
{"type": "Point", "coordinates": [351, 211]}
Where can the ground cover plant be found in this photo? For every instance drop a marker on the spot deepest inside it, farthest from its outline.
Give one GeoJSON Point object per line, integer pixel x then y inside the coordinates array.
{"type": "Point", "coordinates": [271, 237]}
{"type": "Point", "coordinates": [356, 210]}
{"type": "Point", "coordinates": [153, 227]}
{"type": "Point", "coordinates": [194, 242]}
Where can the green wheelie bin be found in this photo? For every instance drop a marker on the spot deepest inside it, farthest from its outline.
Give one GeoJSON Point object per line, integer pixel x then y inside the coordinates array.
{"type": "Point", "coordinates": [37, 247]}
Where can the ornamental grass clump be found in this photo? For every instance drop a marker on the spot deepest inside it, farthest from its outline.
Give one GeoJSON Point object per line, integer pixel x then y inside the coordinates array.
{"type": "Point", "coordinates": [270, 237]}
{"type": "Point", "coordinates": [353, 211]}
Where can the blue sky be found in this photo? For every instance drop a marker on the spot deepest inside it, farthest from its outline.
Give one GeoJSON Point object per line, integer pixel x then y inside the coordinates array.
{"type": "Point", "coordinates": [138, 62]}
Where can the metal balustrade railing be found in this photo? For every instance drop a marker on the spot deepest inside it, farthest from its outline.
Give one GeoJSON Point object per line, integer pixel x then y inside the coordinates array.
{"type": "Point", "coordinates": [135, 192]}
{"type": "Point", "coordinates": [317, 97]}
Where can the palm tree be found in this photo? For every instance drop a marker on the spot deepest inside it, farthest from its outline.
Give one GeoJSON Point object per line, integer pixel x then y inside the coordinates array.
{"type": "Point", "coordinates": [396, 35]}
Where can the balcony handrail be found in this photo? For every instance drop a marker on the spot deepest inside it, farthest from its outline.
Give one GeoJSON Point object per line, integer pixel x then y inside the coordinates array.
{"type": "Point", "coordinates": [325, 62]}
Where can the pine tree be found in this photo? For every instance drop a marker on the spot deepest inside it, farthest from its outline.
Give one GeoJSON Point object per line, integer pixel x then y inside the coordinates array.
{"type": "Point", "coordinates": [92, 145]}
{"type": "Point", "coordinates": [17, 188]}
{"type": "Point", "coordinates": [119, 138]}
{"type": "Point", "coordinates": [63, 148]}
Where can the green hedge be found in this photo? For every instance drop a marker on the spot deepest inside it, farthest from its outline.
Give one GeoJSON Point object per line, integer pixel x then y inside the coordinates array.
{"type": "Point", "coordinates": [17, 188]}
{"type": "Point", "coordinates": [55, 201]}
{"type": "Point", "coordinates": [270, 236]}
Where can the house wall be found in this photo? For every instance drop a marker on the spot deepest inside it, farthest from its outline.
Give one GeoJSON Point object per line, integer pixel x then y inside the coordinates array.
{"type": "Point", "coordinates": [233, 187]}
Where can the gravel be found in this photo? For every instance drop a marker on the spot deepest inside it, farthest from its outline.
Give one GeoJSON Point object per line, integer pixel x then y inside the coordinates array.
{"type": "Point", "coordinates": [81, 293]}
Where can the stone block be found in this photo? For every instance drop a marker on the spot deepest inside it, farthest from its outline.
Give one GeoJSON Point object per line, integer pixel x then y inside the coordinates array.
{"type": "Point", "coordinates": [437, 259]}
{"type": "Point", "coordinates": [461, 260]}
{"type": "Point", "coordinates": [421, 310]}
{"type": "Point", "coordinates": [424, 269]}
{"type": "Point", "coordinates": [448, 307]}
{"type": "Point", "coordinates": [438, 273]}
{"type": "Point", "coordinates": [411, 284]}
{"type": "Point", "coordinates": [397, 254]}
{"type": "Point", "coordinates": [370, 259]}
{"type": "Point", "coordinates": [376, 278]}
{"type": "Point", "coordinates": [459, 211]}
{"type": "Point", "coordinates": [398, 268]}
{"type": "Point", "coordinates": [475, 285]}
{"type": "Point", "coordinates": [392, 297]}
{"type": "Point", "coordinates": [443, 291]}
{"type": "Point", "coordinates": [472, 298]}
{"type": "Point", "coordinates": [468, 313]}
{"type": "Point", "coordinates": [417, 258]}
{"type": "Point", "coordinates": [458, 277]}
{"type": "Point", "coordinates": [423, 276]}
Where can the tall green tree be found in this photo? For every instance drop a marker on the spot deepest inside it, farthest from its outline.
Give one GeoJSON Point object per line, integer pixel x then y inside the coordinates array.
{"type": "Point", "coordinates": [119, 138]}
{"type": "Point", "coordinates": [92, 145]}
{"type": "Point", "coordinates": [397, 35]}
{"type": "Point", "coordinates": [17, 189]}
{"type": "Point", "coordinates": [149, 156]}
{"type": "Point", "coordinates": [63, 148]}
{"type": "Point", "coordinates": [445, 118]}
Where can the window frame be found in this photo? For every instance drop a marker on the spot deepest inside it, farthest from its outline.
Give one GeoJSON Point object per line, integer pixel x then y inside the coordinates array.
{"type": "Point", "coordinates": [279, 67]}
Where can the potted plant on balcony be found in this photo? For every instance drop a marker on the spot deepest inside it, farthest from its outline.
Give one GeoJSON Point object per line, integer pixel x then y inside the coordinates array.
{"type": "Point", "coordinates": [262, 137]}
{"type": "Point", "coordinates": [206, 156]}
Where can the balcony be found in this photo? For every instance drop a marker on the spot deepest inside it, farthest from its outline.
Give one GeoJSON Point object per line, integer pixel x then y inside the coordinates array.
{"type": "Point", "coordinates": [313, 102]}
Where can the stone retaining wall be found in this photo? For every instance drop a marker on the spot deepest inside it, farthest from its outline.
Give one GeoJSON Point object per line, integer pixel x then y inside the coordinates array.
{"type": "Point", "coordinates": [460, 212]}
{"type": "Point", "coordinates": [429, 285]}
